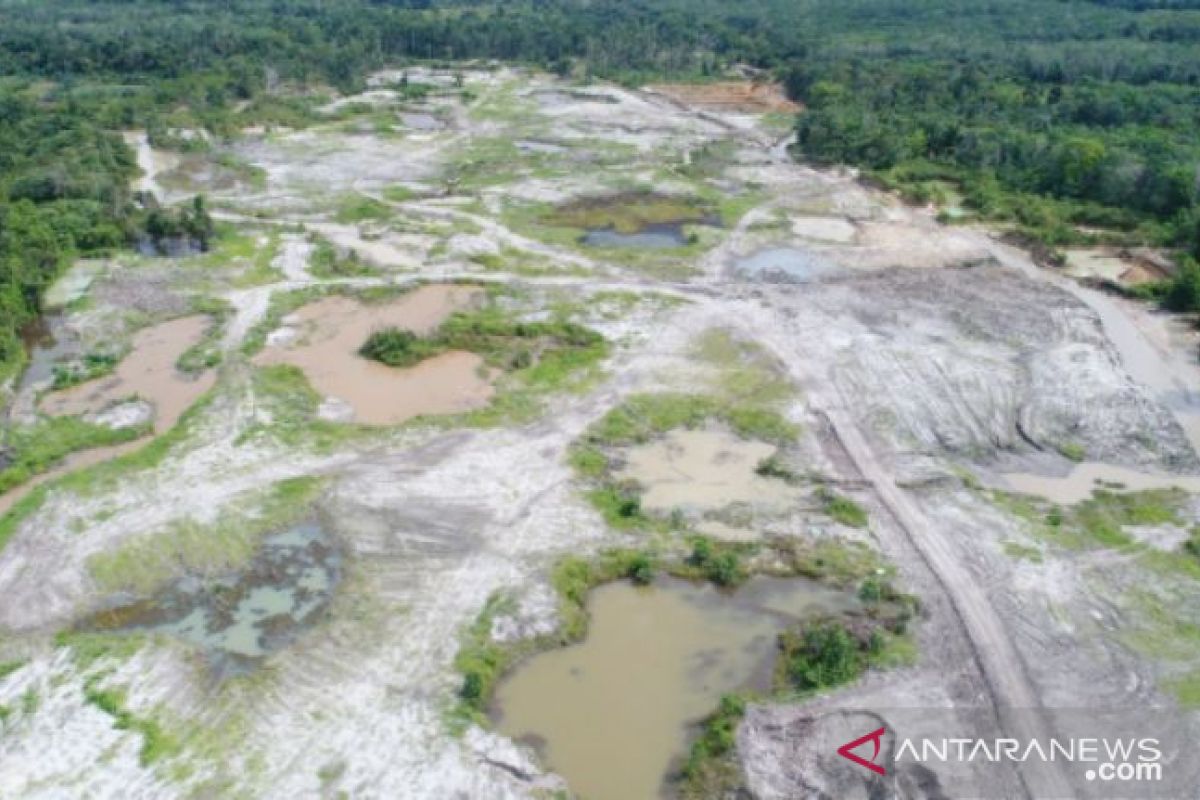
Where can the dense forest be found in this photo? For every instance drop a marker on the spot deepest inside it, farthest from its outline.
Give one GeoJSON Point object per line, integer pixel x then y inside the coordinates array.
{"type": "Point", "coordinates": [1063, 116]}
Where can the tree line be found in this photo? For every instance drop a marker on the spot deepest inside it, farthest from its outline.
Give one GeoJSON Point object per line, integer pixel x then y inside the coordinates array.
{"type": "Point", "coordinates": [1058, 114]}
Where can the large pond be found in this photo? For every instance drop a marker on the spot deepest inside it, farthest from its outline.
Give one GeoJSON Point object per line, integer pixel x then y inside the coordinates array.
{"type": "Point", "coordinates": [613, 714]}
{"type": "Point", "coordinates": [239, 618]}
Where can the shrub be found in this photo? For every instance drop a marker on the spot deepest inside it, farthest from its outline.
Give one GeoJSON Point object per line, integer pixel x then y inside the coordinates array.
{"type": "Point", "coordinates": [717, 563]}
{"type": "Point", "coordinates": [397, 348]}
{"type": "Point", "coordinates": [823, 655]}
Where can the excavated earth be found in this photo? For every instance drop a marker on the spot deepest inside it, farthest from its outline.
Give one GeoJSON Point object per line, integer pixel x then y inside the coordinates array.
{"type": "Point", "coordinates": [924, 362]}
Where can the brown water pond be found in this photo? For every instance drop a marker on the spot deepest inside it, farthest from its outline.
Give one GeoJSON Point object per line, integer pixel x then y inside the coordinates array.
{"type": "Point", "coordinates": [148, 372]}
{"type": "Point", "coordinates": [612, 714]}
{"type": "Point", "coordinates": [323, 339]}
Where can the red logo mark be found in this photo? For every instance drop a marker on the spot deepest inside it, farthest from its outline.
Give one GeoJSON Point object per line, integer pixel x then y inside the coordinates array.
{"type": "Point", "coordinates": [847, 751]}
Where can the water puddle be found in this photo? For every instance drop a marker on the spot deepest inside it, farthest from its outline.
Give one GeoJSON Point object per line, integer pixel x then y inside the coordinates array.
{"type": "Point", "coordinates": [1091, 475]}
{"type": "Point", "coordinates": [650, 237]}
{"type": "Point", "coordinates": [47, 343]}
{"type": "Point", "coordinates": [704, 470]}
{"type": "Point", "coordinates": [634, 219]}
{"type": "Point", "coordinates": [612, 713]}
{"type": "Point", "coordinates": [323, 339]}
{"type": "Point", "coordinates": [148, 372]}
{"type": "Point", "coordinates": [421, 121]}
{"type": "Point", "coordinates": [783, 265]}
{"type": "Point", "coordinates": [238, 619]}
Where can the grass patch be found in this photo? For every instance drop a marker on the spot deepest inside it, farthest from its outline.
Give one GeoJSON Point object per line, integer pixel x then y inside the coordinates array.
{"type": "Point", "coordinates": [748, 374]}
{"type": "Point", "coordinates": [90, 367]}
{"type": "Point", "coordinates": [502, 341]}
{"type": "Point", "coordinates": [629, 212]}
{"type": "Point", "coordinates": [842, 509]}
{"type": "Point", "coordinates": [104, 474]}
{"type": "Point", "coordinates": [34, 449]}
{"type": "Point", "coordinates": [145, 563]}
{"type": "Point", "coordinates": [717, 562]}
{"type": "Point", "coordinates": [1019, 552]}
{"type": "Point", "coordinates": [646, 416]}
{"type": "Point", "coordinates": [1072, 451]}
{"type": "Point", "coordinates": [88, 648]}
{"type": "Point", "coordinates": [157, 744]}
{"type": "Point", "coordinates": [206, 353]}
{"type": "Point", "coordinates": [1099, 521]}
{"type": "Point", "coordinates": [259, 268]}
{"type": "Point", "coordinates": [9, 667]}
{"type": "Point", "coordinates": [356, 208]}
{"type": "Point", "coordinates": [327, 263]}
{"type": "Point", "coordinates": [711, 770]}
{"type": "Point", "coordinates": [1186, 689]}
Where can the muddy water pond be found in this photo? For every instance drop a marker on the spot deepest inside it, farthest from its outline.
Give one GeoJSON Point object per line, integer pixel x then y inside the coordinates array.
{"type": "Point", "coordinates": [323, 339]}
{"type": "Point", "coordinates": [1089, 476]}
{"type": "Point", "coordinates": [704, 471]}
{"type": "Point", "coordinates": [783, 265]}
{"type": "Point", "coordinates": [613, 713]}
{"type": "Point", "coordinates": [147, 372]}
{"type": "Point", "coordinates": [239, 618]}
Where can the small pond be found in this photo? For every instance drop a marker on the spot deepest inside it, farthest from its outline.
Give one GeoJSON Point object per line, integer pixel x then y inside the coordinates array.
{"type": "Point", "coordinates": [783, 265]}
{"type": "Point", "coordinates": [239, 618]}
{"type": "Point", "coordinates": [650, 237]}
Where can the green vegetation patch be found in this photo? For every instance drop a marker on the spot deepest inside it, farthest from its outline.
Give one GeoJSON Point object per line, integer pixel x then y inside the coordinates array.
{"type": "Point", "coordinates": [492, 333]}
{"type": "Point", "coordinates": [843, 509]}
{"type": "Point", "coordinates": [89, 367]}
{"type": "Point", "coordinates": [327, 263]}
{"type": "Point", "coordinates": [711, 770]}
{"type": "Point", "coordinates": [144, 563]}
{"type": "Point", "coordinates": [646, 416]}
{"type": "Point", "coordinates": [747, 374]}
{"type": "Point", "coordinates": [9, 667]}
{"type": "Point", "coordinates": [157, 744]}
{"type": "Point", "coordinates": [1099, 521]}
{"type": "Point", "coordinates": [1186, 689]}
{"type": "Point", "coordinates": [630, 212]}
{"type": "Point", "coordinates": [33, 449]}
{"type": "Point", "coordinates": [104, 474]}
{"type": "Point", "coordinates": [359, 208]}
{"type": "Point", "coordinates": [206, 353]}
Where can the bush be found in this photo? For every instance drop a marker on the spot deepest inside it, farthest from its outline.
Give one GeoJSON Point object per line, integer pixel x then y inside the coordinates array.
{"type": "Point", "coordinates": [397, 348]}
{"type": "Point", "coordinates": [821, 656]}
{"type": "Point", "coordinates": [1183, 292]}
{"type": "Point", "coordinates": [717, 563]}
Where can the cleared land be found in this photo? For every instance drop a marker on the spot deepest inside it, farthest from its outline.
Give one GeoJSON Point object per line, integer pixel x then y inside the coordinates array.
{"type": "Point", "coordinates": [883, 372]}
